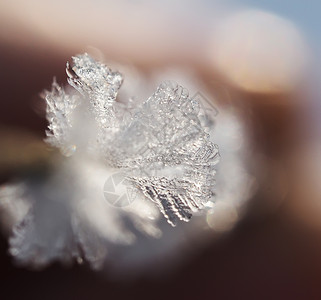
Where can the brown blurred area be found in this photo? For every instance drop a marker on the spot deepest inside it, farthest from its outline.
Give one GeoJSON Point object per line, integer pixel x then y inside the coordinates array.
{"type": "Point", "coordinates": [270, 254]}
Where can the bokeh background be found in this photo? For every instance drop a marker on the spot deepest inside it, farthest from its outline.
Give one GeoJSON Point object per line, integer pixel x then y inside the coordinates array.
{"type": "Point", "coordinates": [265, 54]}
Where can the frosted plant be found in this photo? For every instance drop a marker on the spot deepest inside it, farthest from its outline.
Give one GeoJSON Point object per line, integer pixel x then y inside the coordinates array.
{"type": "Point", "coordinates": [159, 147]}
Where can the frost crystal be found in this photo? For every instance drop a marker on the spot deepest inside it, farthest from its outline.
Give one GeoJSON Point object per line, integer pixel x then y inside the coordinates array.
{"type": "Point", "coordinates": [97, 82]}
{"type": "Point", "coordinates": [162, 148]}
{"type": "Point", "coordinates": [172, 160]}
{"type": "Point", "coordinates": [156, 151]}
{"type": "Point", "coordinates": [59, 109]}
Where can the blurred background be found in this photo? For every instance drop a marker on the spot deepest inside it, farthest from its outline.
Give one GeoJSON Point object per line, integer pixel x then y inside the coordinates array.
{"type": "Point", "coordinates": [259, 59]}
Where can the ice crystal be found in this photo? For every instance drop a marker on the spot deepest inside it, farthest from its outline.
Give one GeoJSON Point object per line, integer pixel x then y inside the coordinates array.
{"type": "Point", "coordinates": [172, 160]}
{"type": "Point", "coordinates": [60, 107]}
{"type": "Point", "coordinates": [158, 148]}
{"type": "Point", "coordinates": [52, 229]}
{"type": "Point", "coordinates": [97, 82]}
{"type": "Point", "coordinates": [162, 148]}
{"type": "Point", "coordinates": [158, 152]}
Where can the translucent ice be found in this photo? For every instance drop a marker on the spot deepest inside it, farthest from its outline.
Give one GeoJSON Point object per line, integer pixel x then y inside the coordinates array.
{"type": "Point", "coordinates": [162, 148]}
